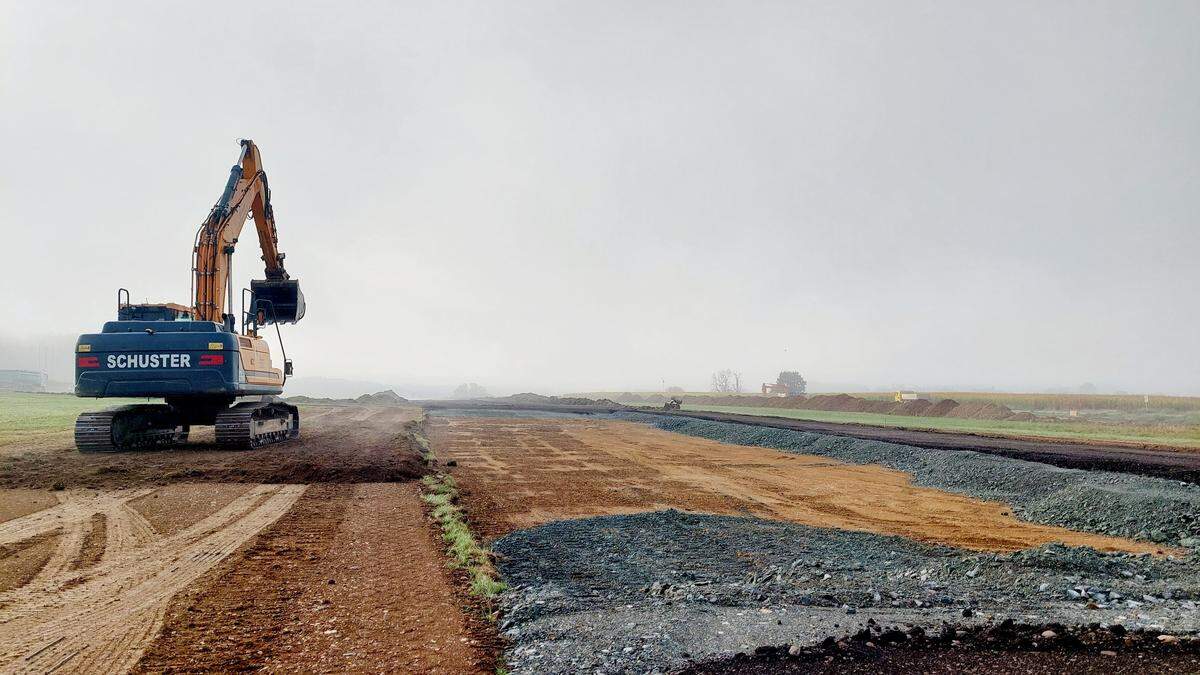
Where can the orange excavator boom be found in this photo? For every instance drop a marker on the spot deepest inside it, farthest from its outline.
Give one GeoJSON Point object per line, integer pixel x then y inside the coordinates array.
{"type": "Point", "coordinates": [246, 194]}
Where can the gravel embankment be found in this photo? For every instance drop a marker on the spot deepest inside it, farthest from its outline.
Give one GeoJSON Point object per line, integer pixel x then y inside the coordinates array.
{"type": "Point", "coordinates": [656, 591]}
{"type": "Point", "coordinates": [1104, 502]}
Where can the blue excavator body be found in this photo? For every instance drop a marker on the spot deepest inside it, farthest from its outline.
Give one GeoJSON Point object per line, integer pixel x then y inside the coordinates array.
{"type": "Point", "coordinates": [162, 359]}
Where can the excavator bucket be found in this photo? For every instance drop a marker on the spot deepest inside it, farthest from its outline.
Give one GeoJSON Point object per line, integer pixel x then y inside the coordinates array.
{"type": "Point", "coordinates": [277, 301]}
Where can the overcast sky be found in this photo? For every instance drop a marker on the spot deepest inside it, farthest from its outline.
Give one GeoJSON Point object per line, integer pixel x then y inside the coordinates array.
{"type": "Point", "coordinates": [579, 196]}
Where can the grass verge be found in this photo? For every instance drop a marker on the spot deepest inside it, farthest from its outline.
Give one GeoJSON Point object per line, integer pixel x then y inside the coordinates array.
{"type": "Point", "coordinates": [466, 553]}
{"type": "Point", "coordinates": [440, 492]}
{"type": "Point", "coordinates": [415, 431]}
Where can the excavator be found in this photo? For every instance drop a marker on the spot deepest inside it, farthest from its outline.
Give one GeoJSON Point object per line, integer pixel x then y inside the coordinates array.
{"type": "Point", "coordinates": [195, 357]}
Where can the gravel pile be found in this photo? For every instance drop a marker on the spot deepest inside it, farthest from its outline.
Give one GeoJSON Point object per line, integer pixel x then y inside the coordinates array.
{"type": "Point", "coordinates": [654, 591]}
{"type": "Point", "coordinates": [1104, 502]}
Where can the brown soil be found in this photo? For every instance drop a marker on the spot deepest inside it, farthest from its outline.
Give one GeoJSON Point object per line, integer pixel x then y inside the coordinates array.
{"type": "Point", "coordinates": [913, 408]}
{"type": "Point", "coordinates": [942, 408]}
{"type": "Point", "coordinates": [339, 444]}
{"type": "Point", "coordinates": [20, 562]}
{"type": "Point", "coordinates": [101, 618]}
{"type": "Point", "coordinates": [512, 474]}
{"type": "Point", "coordinates": [17, 503]}
{"type": "Point", "coordinates": [174, 507]}
{"type": "Point", "coordinates": [350, 580]}
{"type": "Point", "coordinates": [91, 551]}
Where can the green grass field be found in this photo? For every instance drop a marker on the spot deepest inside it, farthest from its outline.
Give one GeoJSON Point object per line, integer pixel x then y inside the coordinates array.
{"type": "Point", "coordinates": [1179, 436]}
{"type": "Point", "coordinates": [29, 418]}
{"type": "Point", "coordinates": [1062, 402]}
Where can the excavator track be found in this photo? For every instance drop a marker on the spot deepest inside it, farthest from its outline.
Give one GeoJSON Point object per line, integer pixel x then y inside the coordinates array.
{"type": "Point", "coordinates": [255, 424]}
{"type": "Point", "coordinates": [130, 427]}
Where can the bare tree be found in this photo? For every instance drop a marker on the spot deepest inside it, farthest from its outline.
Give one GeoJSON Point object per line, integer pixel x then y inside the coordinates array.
{"type": "Point", "coordinates": [720, 380]}
{"type": "Point", "coordinates": [726, 381]}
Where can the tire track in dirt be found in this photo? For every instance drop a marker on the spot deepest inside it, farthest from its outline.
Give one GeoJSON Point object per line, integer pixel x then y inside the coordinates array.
{"type": "Point", "coordinates": [74, 507]}
{"type": "Point", "coordinates": [93, 544]}
{"type": "Point", "coordinates": [127, 531]}
{"type": "Point", "coordinates": [100, 620]}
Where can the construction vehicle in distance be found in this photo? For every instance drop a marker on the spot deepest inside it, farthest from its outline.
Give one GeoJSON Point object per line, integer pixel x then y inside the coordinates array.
{"type": "Point", "coordinates": [194, 357]}
{"type": "Point", "coordinates": [675, 403]}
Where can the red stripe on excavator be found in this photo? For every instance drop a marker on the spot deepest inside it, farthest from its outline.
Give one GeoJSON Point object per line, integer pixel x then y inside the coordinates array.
{"type": "Point", "coordinates": [212, 359]}
{"type": "Point", "coordinates": [88, 362]}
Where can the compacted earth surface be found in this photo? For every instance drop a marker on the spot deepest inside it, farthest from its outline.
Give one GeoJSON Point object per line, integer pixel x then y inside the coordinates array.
{"type": "Point", "coordinates": [349, 579]}
{"type": "Point", "coordinates": [311, 556]}
{"type": "Point", "coordinates": [519, 472]}
{"type": "Point", "coordinates": [720, 548]}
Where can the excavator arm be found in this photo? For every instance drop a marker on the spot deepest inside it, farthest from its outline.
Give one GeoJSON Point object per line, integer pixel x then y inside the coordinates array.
{"type": "Point", "coordinates": [246, 194]}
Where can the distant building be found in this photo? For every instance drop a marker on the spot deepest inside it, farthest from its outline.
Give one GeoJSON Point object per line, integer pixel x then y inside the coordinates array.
{"type": "Point", "coordinates": [774, 389]}
{"type": "Point", "coordinates": [22, 380]}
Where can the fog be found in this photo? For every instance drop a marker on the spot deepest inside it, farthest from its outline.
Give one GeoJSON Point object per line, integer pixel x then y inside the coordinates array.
{"type": "Point", "coordinates": [565, 196]}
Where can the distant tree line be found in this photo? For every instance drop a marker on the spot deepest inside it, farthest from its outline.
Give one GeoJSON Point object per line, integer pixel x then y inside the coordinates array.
{"type": "Point", "coordinates": [729, 381]}
{"type": "Point", "coordinates": [470, 390]}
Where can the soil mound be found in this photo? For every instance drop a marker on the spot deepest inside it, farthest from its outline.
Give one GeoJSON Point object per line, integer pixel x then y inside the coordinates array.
{"type": "Point", "coordinates": [388, 397]}
{"type": "Point", "coordinates": [529, 398]}
{"type": "Point", "coordinates": [835, 403]}
{"type": "Point", "coordinates": [846, 403]}
{"type": "Point", "coordinates": [942, 408]}
{"type": "Point", "coordinates": [982, 411]}
{"type": "Point", "coordinates": [917, 408]}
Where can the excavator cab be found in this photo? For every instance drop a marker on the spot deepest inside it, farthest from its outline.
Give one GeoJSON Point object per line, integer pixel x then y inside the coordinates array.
{"type": "Point", "coordinates": [276, 300]}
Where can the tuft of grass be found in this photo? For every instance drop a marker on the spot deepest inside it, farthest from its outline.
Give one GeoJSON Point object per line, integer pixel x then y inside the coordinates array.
{"type": "Point", "coordinates": [414, 430]}
{"type": "Point", "coordinates": [466, 553]}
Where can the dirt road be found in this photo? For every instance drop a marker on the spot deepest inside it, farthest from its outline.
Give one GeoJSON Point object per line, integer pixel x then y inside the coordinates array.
{"type": "Point", "coordinates": [520, 472]}
{"type": "Point", "coordinates": [349, 580]}
{"type": "Point", "coordinates": [314, 555]}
